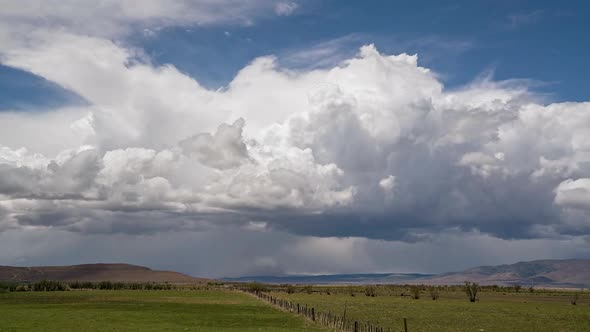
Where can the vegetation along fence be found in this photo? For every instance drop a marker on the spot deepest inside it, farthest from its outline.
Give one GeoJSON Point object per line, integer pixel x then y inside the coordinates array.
{"type": "Point", "coordinates": [329, 319]}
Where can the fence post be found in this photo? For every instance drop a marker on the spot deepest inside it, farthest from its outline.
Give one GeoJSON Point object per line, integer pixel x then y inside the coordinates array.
{"type": "Point", "coordinates": [356, 326]}
{"type": "Point", "coordinates": [313, 314]}
{"type": "Point", "coordinates": [298, 308]}
{"type": "Point", "coordinates": [405, 325]}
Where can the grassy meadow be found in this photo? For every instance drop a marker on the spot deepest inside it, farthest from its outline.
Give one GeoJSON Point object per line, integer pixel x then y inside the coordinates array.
{"type": "Point", "coordinates": [127, 310]}
{"type": "Point", "coordinates": [494, 311]}
{"type": "Point", "coordinates": [221, 309]}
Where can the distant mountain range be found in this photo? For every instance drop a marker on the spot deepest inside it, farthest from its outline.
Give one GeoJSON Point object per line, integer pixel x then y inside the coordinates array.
{"type": "Point", "coordinates": [573, 273]}
{"type": "Point", "coordinates": [366, 278]}
{"type": "Point", "coordinates": [92, 272]}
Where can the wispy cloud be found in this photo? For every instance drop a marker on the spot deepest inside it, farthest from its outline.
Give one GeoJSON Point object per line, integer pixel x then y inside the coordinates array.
{"type": "Point", "coordinates": [286, 8]}
{"type": "Point", "coordinates": [323, 53]}
{"type": "Point", "coordinates": [112, 18]}
{"type": "Point", "coordinates": [517, 20]}
{"type": "Point", "coordinates": [440, 44]}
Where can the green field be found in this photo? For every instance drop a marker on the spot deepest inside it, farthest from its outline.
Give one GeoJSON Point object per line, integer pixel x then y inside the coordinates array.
{"type": "Point", "coordinates": [224, 310]}
{"type": "Point", "coordinates": [179, 310]}
{"type": "Point", "coordinates": [521, 312]}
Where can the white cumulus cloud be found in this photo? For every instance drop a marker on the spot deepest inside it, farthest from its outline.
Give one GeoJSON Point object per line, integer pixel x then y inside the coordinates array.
{"type": "Point", "coordinates": [315, 152]}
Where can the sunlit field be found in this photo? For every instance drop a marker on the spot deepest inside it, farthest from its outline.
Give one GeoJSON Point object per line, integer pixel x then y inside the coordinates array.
{"type": "Point", "coordinates": [166, 310]}
{"type": "Point", "coordinates": [452, 311]}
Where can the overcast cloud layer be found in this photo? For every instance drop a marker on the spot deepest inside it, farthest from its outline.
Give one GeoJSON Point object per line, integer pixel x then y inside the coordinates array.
{"type": "Point", "coordinates": [374, 148]}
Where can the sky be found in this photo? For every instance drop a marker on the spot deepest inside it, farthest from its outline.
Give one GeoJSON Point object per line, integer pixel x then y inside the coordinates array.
{"type": "Point", "coordinates": [229, 138]}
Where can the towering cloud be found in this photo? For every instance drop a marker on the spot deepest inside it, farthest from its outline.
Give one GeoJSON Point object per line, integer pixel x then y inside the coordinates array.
{"type": "Point", "coordinates": [375, 147]}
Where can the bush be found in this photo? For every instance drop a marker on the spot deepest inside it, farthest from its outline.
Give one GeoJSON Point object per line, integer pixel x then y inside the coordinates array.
{"type": "Point", "coordinates": [517, 288]}
{"type": "Point", "coordinates": [21, 288]}
{"type": "Point", "coordinates": [574, 298]}
{"type": "Point", "coordinates": [433, 292]}
{"type": "Point", "coordinates": [118, 286]}
{"type": "Point", "coordinates": [351, 291]}
{"type": "Point", "coordinates": [290, 289]}
{"type": "Point", "coordinates": [6, 287]}
{"type": "Point", "coordinates": [256, 287]}
{"type": "Point", "coordinates": [49, 286]}
{"type": "Point", "coordinates": [308, 289]}
{"type": "Point", "coordinates": [75, 285]}
{"type": "Point", "coordinates": [103, 285]}
{"type": "Point", "coordinates": [415, 292]}
{"type": "Point", "coordinates": [89, 285]}
{"type": "Point", "coordinates": [471, 289]}
{"type": "Point", "coordinates": [135, 286]}
{"type": "Point", "coordinates": [371, 291]}
{"type": "Point", "coordinates": [164, 286]}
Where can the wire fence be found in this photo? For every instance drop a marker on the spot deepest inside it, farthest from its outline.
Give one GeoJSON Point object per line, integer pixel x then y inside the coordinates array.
{"type": "Point", "coordinates": [328, 319]}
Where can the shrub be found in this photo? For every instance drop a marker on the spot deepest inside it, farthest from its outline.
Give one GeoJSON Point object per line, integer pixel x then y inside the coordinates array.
{"type": "Point", "coordinates": [308, 289]}
{"type": "Point", "coordinates": [135, 286]}
{"type": "Point", "coordinates": [49, 286]}
{"type": "Point", "coordinates": [471, 289]}
{"type": "Point", "coordinates": [371, 291]}
{"type": "Point", "coordinates": [21, 288]}
{"type": "Point", "coordinates": [120, 285]}
{"type": "Point", "coordinates": [517, 288]}
{"type": "Point", "coordinates": [105, 285]}
{"type": "Point", "coordinates": [574, 298]}
{"type": "Point", "coordinates": [290, 289]}
{"type": "Point", "coordinates": [6, 287]}
{"type": "Point", "coordinates": [164, 286]}
{"type": "Point", "coordinates": [83, 285]}
{"type": "Point", "coordinates": [256, 287]}
{"type": "Point", "coordinates": [88, 285]}
{"type": "Point", "coordinates": [351, 291]}
{"type": "Point", "coordinates": [433, 292]}
{"type": "Point", "coordinates": [531, 289]}
{"type": "Point", "coordinates": [415, 292]}
{"type": "Point", "coordinates": [109, 285]}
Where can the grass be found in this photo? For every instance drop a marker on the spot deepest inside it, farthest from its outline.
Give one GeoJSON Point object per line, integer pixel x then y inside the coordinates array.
{"type": "Point", "coordinates": [178, 310]}
{"type": "Point", "coordinates": [453, 312]}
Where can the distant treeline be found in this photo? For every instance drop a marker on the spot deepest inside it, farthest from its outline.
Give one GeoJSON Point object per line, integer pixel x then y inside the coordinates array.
{"type": "Point", "coordinates": [50, 286]}
{"type": "Point", "coordinates": [375, 290]}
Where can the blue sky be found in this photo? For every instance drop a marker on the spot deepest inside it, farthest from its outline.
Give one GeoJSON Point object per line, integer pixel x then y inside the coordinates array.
{"type": "Point", "coordinates": [538, 40]}
{"type": "Point", "coordinates": [543, 41]}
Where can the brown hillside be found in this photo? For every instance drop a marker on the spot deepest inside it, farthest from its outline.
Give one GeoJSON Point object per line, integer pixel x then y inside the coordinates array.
{"type": "Point", "coordinates": [547, 273]}
{"type": "Point", "coordinates": [93, 272]}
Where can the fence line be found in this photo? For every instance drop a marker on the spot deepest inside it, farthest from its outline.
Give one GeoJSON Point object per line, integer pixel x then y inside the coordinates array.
{"type": "Point", "coordinates": [328, 319]}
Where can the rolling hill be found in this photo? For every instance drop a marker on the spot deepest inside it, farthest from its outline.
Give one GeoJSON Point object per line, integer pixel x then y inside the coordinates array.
{"type": "Point", "coordinates": [92, 272]}
{"type": "Point", "coordinates": [545, 273]}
